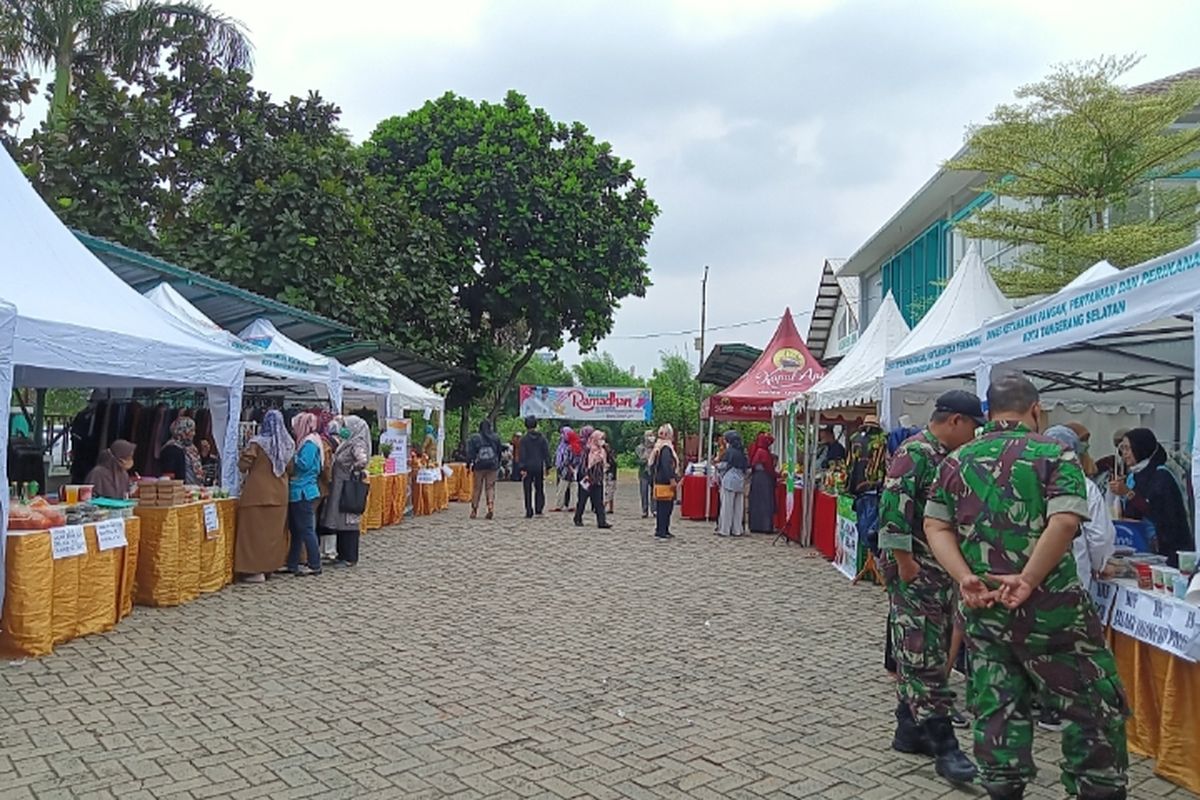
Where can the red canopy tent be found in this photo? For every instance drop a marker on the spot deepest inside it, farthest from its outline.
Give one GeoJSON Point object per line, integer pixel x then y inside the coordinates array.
{"type": "Point", "coordinates": [785, 369]}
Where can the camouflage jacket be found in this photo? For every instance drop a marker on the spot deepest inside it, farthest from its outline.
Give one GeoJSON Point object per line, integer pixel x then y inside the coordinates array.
{"type": "Point", "coordinates": [866, 465]}
{"type": "Point", "coordinates": [999, 490]}
{"type": "Point", "coordinates": [910, 475]}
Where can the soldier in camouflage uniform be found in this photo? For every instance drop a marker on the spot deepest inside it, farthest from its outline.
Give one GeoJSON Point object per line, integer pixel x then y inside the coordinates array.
{"type": "Point", "coordinates": [1000, 518]}
{"type": "Point", "coordinates": [922, 594]}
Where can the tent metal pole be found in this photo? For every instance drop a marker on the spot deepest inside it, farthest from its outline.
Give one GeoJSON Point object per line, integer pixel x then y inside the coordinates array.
{"type": "Point", "coordinates": [1178, 412]}
{"type": "Point", "coordinates": [39, 418]}
{"type": "Point", "coordinates": [707, 467]}
{"type": "Point", "coordinates": [809, 492]}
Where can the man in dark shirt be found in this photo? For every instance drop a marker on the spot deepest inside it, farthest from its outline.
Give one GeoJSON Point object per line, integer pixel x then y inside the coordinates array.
{"type": "Point", "coordinates": [533, 463]}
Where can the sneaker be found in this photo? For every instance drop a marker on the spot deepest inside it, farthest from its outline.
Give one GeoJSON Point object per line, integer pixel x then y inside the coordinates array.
{"type": "Point", "coordinates": [304, 570]}
{"type": "Point", "coordinates": [257, 577]}
{"type": "Point", "coordinates": [604, 527]}
{"type": "Point", "coordinates": [1050, 720]}
{"type": "Point", "coordinates": [959, 721]}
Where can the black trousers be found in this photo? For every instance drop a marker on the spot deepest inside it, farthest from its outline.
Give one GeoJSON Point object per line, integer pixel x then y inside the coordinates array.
{"type": "Point", "coordinates": [347, 546]}
{"type": "Point", "coordinates": [595, 493]}
{"type": "Point", "coordinates": [663, 509]}
{"type": "Point", "coordinates": [535, 489]}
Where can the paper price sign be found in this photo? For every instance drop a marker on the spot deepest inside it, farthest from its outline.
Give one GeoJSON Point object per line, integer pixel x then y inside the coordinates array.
{"type": "Point", "coordinates": [68, 541]}
{"type": "Point", "coordinates": [110, 534]}
{"type": "Point", "coordinates": [212, 522]}
{"type": "Point", "coordinates": [1104, 595]}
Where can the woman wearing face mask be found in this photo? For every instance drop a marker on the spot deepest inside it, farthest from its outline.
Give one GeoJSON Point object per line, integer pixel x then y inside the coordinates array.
{"type": "Point", "coordinates": [1150, 492]}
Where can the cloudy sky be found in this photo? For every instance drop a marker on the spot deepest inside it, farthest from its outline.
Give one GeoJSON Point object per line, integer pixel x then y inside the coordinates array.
{"type": "Point", "coordinates": [773, 134]}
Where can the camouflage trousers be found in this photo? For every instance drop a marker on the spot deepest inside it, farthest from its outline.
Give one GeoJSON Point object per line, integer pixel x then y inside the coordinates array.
{"type": "Point", "coordinates": [1052, 650]}
{"type": "Point", "coordinates": [922, 619]}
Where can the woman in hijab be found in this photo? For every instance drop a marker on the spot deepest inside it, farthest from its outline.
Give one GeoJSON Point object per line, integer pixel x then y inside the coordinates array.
{"type": "Point", "coordinates": [664, 471]}
{"type": "Point", "coordinates": [566, 462]}
{"type": "Point", "coordinates": [645, 480]}
{"type": "Point", "coordinates": [328, 431]}
{"type": "Point", "coordinates": [262, 540]}
{"type": "Point", "coordinates": [179, 456]}
{"type": "Point", "coordinates": [110, 477]}
{"type": "Point", "coordinates": [763, 481]}
{"type": "Point", "coordinates": [351, 457]}
{"type": "Point", "coordinates": [591, 481]}
{"type": "Point", "coordinates": [1150, 492]}
{"type": "Point", "coordinates": [732, 469]}
{"type": "Point", "coordinates": [303, 494]}
{"type": "Point", "coordinates": [1098, 537]}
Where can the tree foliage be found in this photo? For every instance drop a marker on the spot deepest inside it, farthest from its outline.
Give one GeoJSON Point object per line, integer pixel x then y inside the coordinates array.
{"type": "Point", "coordinates": [196, 166]}
{"type": "Point", "coordinates": [1080, 163]}
{"type": "Point", "coordinates": [549, 227]}
{"type": "Point", "coordinates": [676, 393]}
{"type": "Point", "coordinates": [121, 38]}
{"type": "Point", "coordinates": [602, 371]}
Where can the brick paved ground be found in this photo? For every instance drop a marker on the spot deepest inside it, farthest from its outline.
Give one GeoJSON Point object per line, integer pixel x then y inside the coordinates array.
{"type": "Point", "coordinates": [488, 659]}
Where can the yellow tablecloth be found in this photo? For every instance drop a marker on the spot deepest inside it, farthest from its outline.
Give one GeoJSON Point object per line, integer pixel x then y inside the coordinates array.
{"type": "Point", "coordinates": [461, 481]}
{"type": "Point", "coordinates": [441, 495]}
{"type": "Point", "coordinates": [385, 502]}
{"type": "Point", "coordinates": [177, 561]}
{"type": "Point", "coordinates": [424, 497]}
{"type": "Point", "coordinates": [48, 602]}
{"type": "Point", "coordinates": [1164, 692]}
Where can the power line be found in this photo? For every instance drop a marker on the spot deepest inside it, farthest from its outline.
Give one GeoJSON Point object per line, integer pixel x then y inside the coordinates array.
{"type": "Point", "coordinates": [694, 331]}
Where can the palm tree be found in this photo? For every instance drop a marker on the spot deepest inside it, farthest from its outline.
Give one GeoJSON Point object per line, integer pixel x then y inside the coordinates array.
{"type": "Point", "coordinates": [119, 35]}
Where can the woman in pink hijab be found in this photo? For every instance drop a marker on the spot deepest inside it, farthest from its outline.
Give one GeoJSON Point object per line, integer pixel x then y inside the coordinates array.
{"type": "Point", "coordinates": [591, 484]}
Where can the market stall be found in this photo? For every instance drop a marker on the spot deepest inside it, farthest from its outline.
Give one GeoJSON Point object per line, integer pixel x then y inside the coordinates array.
{"type": "Point", "coordinates": [461, 483]}
{"type": "Point", "coordinates": [61, 341]}
{"type": "Point", "coordinates": [186, 548]}
{"type": "Point", "coordinates": [1156, 641]}
{"type": "Point", "coordinates": [405, 394]}
{"type": "Point", "coordinates": [784, 369]}
{"type": "Point", "coordinates": [850, 389]}
{"type": "Point", "coordinates": [8, 325]}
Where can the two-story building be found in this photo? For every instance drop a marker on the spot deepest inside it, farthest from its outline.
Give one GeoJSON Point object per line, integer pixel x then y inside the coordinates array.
{"type": "Point", "coordinates": [914, 252]}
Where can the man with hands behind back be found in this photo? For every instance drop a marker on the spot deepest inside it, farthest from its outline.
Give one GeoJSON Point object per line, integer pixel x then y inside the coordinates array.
{"type": "Point", "coordinates": [1000, 519]}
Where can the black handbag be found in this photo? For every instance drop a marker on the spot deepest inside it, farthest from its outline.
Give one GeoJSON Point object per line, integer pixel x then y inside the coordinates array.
{"type": "Point", "coordinates": [353, 499]}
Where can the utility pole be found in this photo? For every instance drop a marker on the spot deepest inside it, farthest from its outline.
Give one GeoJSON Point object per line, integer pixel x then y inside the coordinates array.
{"type": "Point", "coordinates": [700, 440]}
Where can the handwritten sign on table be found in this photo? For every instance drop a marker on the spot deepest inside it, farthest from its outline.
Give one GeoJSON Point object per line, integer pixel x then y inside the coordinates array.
{"type": "Point", "coordinates": [68, 541]}
{"type": "Point", "coordinates": [212, 522]}
{"type": "Point", "coordinates": [428, 476]}
{"type": "Point", "coordinates": [110, 534]}
{"type": "Point", "coordinates": [1158, 620]}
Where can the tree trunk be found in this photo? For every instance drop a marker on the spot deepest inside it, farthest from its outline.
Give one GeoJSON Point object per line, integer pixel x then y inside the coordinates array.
{"type": "Point", "coordinates": [503, 389]}
{"type": "Point", "coordinates": [464, 424]}
{"type": "Point", "coordinates": [63, 61]}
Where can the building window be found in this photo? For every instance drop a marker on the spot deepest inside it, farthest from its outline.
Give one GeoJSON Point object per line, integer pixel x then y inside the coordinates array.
{"type": "Point", "coordinates": [916, 273]}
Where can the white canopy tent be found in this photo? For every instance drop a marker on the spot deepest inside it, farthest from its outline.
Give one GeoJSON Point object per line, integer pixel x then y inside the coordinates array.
{"type": "Point", "coordinates": [405, 394]}
{"type": "Point", "coordinates": [1118, 338]}
{"type": "Point", "coordinates": [858, 378]}
{"type": "Point", "coordinates": [945, 343]}
{"type": "Point", "coordinates": [8, 326]}
{"type": "Point", "coordinates": [79, 325]}
{"type": "Point", "coordinates": [282, 353]}
{"type": "Point", "coordinates": [261, 369]}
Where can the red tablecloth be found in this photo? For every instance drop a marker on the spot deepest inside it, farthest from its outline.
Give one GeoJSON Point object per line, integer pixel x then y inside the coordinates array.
{"type": "Point", "coordinates": [691, 490]}
{"type": "Point", "coordinates": [825, 524]}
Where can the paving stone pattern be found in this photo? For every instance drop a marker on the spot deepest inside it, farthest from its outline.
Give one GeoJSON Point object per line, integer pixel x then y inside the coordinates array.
{"type": "Point", "coordinates": [489, 659]}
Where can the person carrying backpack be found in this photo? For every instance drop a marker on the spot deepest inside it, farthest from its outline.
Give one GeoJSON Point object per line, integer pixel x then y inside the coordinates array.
{"type": "Point", "coordinates": [483, 459]}
{"type": "Point", "coordinates": [534, 464]}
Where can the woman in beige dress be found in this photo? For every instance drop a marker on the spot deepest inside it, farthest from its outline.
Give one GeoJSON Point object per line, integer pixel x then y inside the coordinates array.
{"type": "Point", "coordinates": [262, 539]}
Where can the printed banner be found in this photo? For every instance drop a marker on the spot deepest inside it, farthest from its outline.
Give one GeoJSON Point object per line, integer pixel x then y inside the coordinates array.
{"type": "Point", "coordinates": [586, 404]}
{"type": "Point", "coordinates": [846, 556]}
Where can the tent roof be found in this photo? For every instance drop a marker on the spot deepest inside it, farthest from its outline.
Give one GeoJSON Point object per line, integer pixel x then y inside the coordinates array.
{"type": "Point", "coordinates": [726, 363]}
{"type": "Point", "coordinates": [296, 357]}
{"type": "Point", "coordinates": [423, 371]}
{"type": "Point", "coordinates": [858, 378]}
{"type": "Point", "coordinates": [409, 393]}
{"type": "Point", "coordinates": [1098, 271]}
{"type": "Point", "coordinates": [784, 369]}
{"type": "Point", "coordinates": [229, 306]}
{"type": "Point", "coordinates": [79, 324]}
{"type": "Point", "coordinates": [970, 298]}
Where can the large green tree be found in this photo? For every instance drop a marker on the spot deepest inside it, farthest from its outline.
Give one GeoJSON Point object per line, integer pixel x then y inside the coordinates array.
{"type": "Point", "coordinates": [122, 38]}
{"type": "Point", "coordinates": [549, 227]}
{"type": "Point", "coordinates": [601, 370]}
{"type": "Point", "coordinates": [676, 394]}
{"type": "Point", "coordinates": [191, 163]}
{"type": "Point", "coordinates": [1079, 163]}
